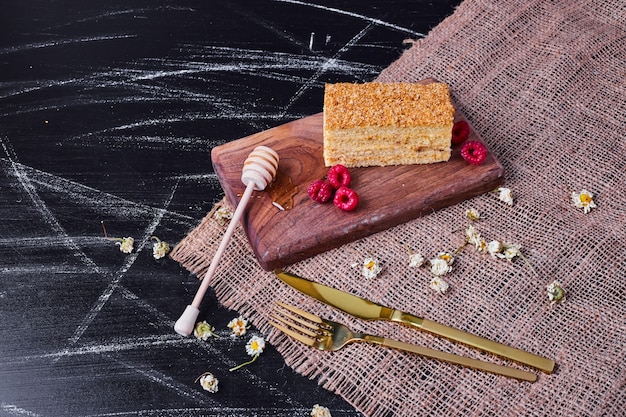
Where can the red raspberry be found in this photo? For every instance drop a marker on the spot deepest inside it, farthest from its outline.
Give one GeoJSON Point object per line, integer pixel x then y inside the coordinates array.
{"type": "Point", "coordinates": [474, 152]}
{"type": "Point", "coordinates": [339, 176]}
{"type": "Point", "coordinates": [460, 132]}
{"type": "Point", "coordinates": [320, 191]}
{"type": "Point", "coordinates": [346, 199]}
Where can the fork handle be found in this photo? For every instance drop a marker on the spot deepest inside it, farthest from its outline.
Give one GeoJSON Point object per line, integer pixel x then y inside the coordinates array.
{"type": "Point", "coordinates": [455, 359]}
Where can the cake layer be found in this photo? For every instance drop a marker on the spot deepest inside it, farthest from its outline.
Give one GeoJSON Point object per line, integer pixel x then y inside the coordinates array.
{"type": "Point", "coordinates": [378, 124]}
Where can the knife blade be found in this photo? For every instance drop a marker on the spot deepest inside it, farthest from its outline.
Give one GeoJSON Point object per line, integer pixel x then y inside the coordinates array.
{"type": "Point", "coordinates": [369, 310]}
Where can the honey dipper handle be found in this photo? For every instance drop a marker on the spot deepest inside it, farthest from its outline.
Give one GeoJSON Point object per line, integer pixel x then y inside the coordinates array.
{"type": "Point", "coordinates": [187, 321]}
{"type": "Point", "coordinates": [258, 172]}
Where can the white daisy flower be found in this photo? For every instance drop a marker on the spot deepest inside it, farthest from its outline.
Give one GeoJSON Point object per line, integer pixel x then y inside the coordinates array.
{"type": "Point", "coordinates": [222, 215]}
{"type": "Point", "coordinates": [204, 330]}
{"type": "Point", "coordinates": [583, 200]}
{"type": "Point", "coordinates": [510, 251]}
{"type": "Point", "coordinates": [505, 195]}
{"type": "Point", "coordinates": [371, 268]}
{"type": "Point", "coordinates": [255, 346]}
{"type": "Point", "coordinates": [126, 244]}
{"type": "Point", "coordinates": [556, 293]}
{"type": "Point", "coordinates": [472, 214]}
{"type": "Point", "coordinates": [238, 325]}
{"type": "Point", "coordinates": [209, 382]}
{"type": "Point", "coordinates": [439, 266]}
{"type": "Point", "coordinates": [159, 248]}
{"type": "Point", "coordinates": [439, 285]}
{"type": "Point", "coordinates": [494, 248]}
{"type": "Point", "coordinates": [319, 411]}
{"type": "Point", "coordinates": [416, 260]}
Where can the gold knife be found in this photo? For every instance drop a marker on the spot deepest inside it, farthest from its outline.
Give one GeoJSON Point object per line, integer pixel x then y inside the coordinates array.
{"type": "Point", "coordinates": [368, 310]}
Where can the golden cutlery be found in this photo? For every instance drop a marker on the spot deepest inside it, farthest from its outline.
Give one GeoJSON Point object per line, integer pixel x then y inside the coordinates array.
{"type": "Point", "coordinates": [368, 310]}
{"type": "Point", "coordinates": [331, 336]}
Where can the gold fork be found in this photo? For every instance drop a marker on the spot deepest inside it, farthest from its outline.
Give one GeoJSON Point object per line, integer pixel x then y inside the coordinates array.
{"type": "Point", "coordinates": [328, 335]}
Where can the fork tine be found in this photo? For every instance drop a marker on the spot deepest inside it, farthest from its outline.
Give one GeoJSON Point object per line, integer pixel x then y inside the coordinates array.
{"type": "Point", "coordinates": [299, 319]}
{"type": "Point", "coordinates": [298, 336]}
{"type": "Point", "coordinates": [284, 320]}
{"type": "Point", "coordinates": [302, 313]}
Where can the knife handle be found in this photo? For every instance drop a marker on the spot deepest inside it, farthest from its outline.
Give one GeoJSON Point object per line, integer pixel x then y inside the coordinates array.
{"type": "Point", "coordinates": [518, 355]}
{"type": "Point", "coordinates": [458, 360]}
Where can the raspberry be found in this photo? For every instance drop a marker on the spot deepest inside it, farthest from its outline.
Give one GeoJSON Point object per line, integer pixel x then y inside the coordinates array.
{"type": "Point", "coordinates": [460, 132]}
{"type": "Point", "coordinates": [320, 191]}
{"type": "Point", "coordinates": [346, 199]}
{"type": "Point", "coordinates": [339, 176]}
{"type": "Point", "coordinates": [474, 152]}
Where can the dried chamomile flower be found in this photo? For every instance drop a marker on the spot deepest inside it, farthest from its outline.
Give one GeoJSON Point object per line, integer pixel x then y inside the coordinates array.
{"type": "Point", "coordinates": [473, 238]}
{"type": "Point", "coordinates": [159, 248]}
{"type": "Point", "coordinates": [472, 214]}
{"type": "Point", "coordinates": [439, 285]}
{"type": "Point", "coordinates": [503, 250]}
{"type": "Point", "coordinates": [222, 215]}
{"type": "Point", "coordinates": [510, 251]}
{"type": "Point", "coordinates": [209, 382]}
{"type": "Point", "coordinates": [319, 411]}
{"type": "Point", "coordinates": [204, 330]}
{"type": "Point", "coordinates": [238, 325]}
{"type": "Point", "coordinates": [416, 260]}
{"type": "Point", "coordinates": [254, 348]}
{"type": "Point", "coordinates": [446, 256]}
{"type": "Point", "coordinates": [583, 200]}
{"type": "Point", "coordinates": [505, 194]}
{"type": "Point", "coordinates": [556, 293]}
{"type": "Point", "coordinates": [439, 266]}
{"type": "Point", "coordinates": [126, 244]}
{"type": "Point", "coordinates": [371, 268]}
{"type": "Point", "coordinates": [494, 248]}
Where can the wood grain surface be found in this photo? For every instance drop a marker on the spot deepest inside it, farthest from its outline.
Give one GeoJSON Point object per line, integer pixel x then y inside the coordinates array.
{"type": "Point", "coordinates": [388, 195]}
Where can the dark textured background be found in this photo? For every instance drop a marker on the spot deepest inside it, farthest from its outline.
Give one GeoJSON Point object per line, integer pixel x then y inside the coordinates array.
{"type": "Point", "coordinates": [109, 111]}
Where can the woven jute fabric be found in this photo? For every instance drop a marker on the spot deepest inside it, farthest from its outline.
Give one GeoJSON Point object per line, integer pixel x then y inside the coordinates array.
{"type": "Point", "coordinates": [543, 82]}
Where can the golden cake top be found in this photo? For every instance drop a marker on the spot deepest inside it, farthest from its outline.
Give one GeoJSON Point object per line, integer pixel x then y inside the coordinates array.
{"type": "Point", "coordinates": [349, 105]}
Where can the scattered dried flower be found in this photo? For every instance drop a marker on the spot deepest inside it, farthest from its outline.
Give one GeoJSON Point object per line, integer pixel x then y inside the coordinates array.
{"type": "Point", "coordinates": [126, 244]}
{"type": "Point", "coordinates": [238, 325]}
{"type": "Point", "coordinates": [204, 330]}
{"type": "Point", "coordinates": [439, 285]}
{"type": "Point", "coordinates": [446, 256]}
{"type": "Point", "coordinates": [505, 195]}
{"type": "Point", "coordinates": [583, 200]}
{"type": "Point", "coordinates": [494, 248]}
{"type": "Point", "coordinates": [473, 238]}
{"type": "Point", "coordinates": [439, 266]}
{"type": "Point", "coordinates": [510, 251]}
{"type": "Point", "coordinates": [371, 268]}
{"type": "Point", "coordinates": [208, 382]}
{"type": "Point", "coordinates": [416, 260]}
{"type": "Point", "coordinates": [473, 214]}
{"type": "Point", "coordinates": [222, 215]}
{"type": "Point", "coordinates": [254, 348]}
{"type": "Point", "coordinates": [319, 411]}
{"type": "Point", "coordinates": [556, 293]}
{"type": "Point", "coordinates": [159, 248]}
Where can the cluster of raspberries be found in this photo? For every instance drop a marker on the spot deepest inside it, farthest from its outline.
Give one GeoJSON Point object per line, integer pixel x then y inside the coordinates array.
{"type": "Point", "coordinates": [335, 187]}
{"type": "Point", "coordinates": [473, 151]}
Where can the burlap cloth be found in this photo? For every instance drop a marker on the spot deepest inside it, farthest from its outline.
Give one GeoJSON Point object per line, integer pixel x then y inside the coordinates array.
{"type": "Point", "coordinates": [543, 83]}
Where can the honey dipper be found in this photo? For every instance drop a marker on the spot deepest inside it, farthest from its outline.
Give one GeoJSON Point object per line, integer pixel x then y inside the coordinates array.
{"type": "Point", "coordinates": [259, 169]}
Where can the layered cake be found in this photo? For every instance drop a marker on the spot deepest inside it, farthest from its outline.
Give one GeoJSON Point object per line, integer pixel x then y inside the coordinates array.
{"type": "Point", "coordinates": [379, 124]}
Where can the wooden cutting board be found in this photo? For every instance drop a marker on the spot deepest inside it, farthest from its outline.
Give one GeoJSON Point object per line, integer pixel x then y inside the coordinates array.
{"type": "Point", "coordinates": [388, 195]}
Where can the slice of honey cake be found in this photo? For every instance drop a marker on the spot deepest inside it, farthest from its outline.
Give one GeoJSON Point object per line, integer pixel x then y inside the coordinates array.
{"type": "Point", "coordinates": [379, 124]}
